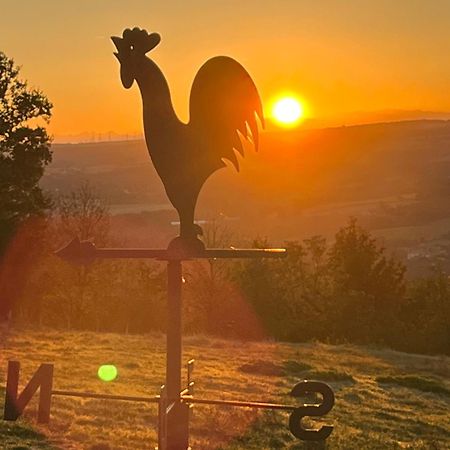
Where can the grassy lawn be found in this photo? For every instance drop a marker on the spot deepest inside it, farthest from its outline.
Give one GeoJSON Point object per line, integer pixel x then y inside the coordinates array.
{"type": "Point", "coordinates": [384, 399]}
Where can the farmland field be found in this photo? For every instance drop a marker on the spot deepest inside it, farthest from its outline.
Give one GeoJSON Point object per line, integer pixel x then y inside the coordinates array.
{"type": "Point", "coordinates": [384, 399]}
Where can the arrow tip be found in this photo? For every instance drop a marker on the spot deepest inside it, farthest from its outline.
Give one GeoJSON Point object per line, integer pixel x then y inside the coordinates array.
{"type": "Point", "coordinates": [76, 251]}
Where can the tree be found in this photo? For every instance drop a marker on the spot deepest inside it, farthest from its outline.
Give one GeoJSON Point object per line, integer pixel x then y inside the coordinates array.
{"type": "Point", "coordinates": [83, 214]}
{"type": "Point", "coordinates": [57, 292]}
{"type": "Point", "coordinates": [368, 286]}
{"type": "Point", "coordinates": [211, 303]}
{"type": "Point", "coordinates": [24, 149]}
{"type": "Point", "coordinates": [290, 295]}
{"type": "Point", "coordinates": [24, 153]}
{"type": "Point", "coordinates": [426, 314]}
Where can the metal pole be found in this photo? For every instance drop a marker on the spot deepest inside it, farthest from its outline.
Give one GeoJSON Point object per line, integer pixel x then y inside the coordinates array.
{"type": "Point", "coordinates": [177, 413]}
{"type": "Point", "coordinates": [173, 368]}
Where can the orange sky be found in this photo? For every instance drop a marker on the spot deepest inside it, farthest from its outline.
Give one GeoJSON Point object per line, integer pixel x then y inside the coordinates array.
{"type": "Point", "coordinates": [340, 56]}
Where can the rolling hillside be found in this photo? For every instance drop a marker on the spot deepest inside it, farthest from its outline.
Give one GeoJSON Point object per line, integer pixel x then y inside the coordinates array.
{"type": "Point", "coordinates": [384, 399]}
{"type": "Point", "coordinates": [392, 176]}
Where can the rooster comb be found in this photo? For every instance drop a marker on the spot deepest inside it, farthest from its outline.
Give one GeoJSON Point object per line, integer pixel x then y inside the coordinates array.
{"type": "Point", "coordinates": [140, 40]}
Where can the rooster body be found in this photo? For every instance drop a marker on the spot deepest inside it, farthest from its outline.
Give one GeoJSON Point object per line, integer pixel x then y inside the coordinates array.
{"type": "Point", "coordinates": [224, 103]}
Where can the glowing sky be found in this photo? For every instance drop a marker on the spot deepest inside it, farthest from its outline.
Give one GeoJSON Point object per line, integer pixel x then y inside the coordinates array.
{"type": "Point", "coordinates": [340, 56]}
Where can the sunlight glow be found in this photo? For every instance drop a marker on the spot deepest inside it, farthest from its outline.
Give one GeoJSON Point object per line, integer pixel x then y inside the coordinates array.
{"type": "Point", "coordinates": [288, 111]}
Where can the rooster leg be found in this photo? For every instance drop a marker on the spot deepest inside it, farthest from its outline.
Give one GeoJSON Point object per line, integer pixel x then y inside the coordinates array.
{"type": "Point", "coordinates": [188, 229]}
{"type": "Point", "coordinates": [188, 241]}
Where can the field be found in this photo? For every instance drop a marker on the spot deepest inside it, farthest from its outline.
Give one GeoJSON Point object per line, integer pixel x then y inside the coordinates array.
{"type": "Point", "coordinates": [384, 399]}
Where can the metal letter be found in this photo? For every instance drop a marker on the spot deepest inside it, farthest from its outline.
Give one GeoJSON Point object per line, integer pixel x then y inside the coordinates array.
{"type": "Point", "coordinates": [323, 408]}
{"type": "Point", "coordinates": [42, 380]}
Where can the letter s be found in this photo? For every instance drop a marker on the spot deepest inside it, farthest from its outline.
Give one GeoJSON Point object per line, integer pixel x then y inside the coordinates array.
{"type": "Point", "coordinates": [321, 409]}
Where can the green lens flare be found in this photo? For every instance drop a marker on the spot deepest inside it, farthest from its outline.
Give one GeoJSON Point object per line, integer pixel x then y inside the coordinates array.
{"type": "Point", "coordinates": [107, 372]}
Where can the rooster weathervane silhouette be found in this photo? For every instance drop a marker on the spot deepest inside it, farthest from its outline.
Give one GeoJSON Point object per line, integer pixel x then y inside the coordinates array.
{"type": "Point", "coordinates": [224, 105]}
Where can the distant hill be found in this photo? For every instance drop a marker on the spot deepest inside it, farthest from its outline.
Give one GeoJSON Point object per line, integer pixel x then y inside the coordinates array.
{"type": "Point", "coordinates": [302, 182]}
{"type": "Point", "coordinates": [379, 116]}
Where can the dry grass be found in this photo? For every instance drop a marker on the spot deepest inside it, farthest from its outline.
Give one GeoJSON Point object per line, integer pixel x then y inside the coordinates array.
{"type": "Point", "coordinates": [368, 414]}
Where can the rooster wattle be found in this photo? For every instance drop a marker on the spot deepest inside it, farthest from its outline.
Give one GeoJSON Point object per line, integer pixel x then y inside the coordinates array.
{"type": "Point", "coordinates": [224, 105]}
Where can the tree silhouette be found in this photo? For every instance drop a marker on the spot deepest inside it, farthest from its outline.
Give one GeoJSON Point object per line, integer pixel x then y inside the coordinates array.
{"type": "Point", "coordinates": [24, 149]}
{"type": "Point", "coordinates": [368, 286]}
{"type": "Point", "coordinates": [24, 152]}
{"type": "Point", "coordinates": [85, 214]}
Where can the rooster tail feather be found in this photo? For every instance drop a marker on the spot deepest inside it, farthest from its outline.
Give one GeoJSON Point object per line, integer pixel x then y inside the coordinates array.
{"type": "Point", "coordinates": [224, 103]}
{"type": "Point", "coordinates": [237, 143]}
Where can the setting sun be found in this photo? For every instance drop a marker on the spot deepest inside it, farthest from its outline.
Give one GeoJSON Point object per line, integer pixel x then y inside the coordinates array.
{"type": "Point", "coordinates": [287, 111]}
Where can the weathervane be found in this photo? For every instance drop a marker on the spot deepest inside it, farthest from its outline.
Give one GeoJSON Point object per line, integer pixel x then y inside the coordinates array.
{"type": "Point", "coordinates": [223, 104]}
{"type": "Point", "coordinates": [224, 107]}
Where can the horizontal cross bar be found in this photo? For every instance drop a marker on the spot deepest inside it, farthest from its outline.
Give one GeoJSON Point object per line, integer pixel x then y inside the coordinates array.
{"type": "Point", "coordinates": [210, 253]}
{"type": "Point", "coordinates": [85, 252]}
{"type": "Point", "coordinates": [259, 405]}
{"type": "Point", "coordinates": [186, 398]}
{"type": "Point", "coordinates": [154, 399]}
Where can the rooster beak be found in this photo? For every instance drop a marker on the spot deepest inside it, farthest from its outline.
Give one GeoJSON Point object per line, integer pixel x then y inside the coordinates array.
{"type": "Point", "coordinates": [118, 42]}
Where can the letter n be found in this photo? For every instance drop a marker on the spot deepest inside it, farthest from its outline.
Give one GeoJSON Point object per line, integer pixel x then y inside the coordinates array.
{"type": "Point", "coordinates": [15, 404]}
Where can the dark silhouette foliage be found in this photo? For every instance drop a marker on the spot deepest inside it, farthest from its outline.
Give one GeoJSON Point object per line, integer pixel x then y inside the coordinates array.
{"type": "Point", "coordinates": [24, 152]}
{"type": "Point", "coordinates": [349, 291]}
{"type": "Point", "coordinates": [24, 149]}
{"type": "Point", "coordinates": [426, 313]}
{"type": "Point", "coordinates": [367, 285]}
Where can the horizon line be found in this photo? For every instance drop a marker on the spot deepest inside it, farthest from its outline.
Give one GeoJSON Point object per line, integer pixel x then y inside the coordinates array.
{"type": "Point", "coordinates": [137, 137]}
